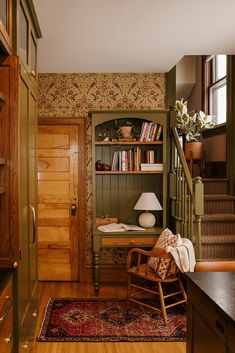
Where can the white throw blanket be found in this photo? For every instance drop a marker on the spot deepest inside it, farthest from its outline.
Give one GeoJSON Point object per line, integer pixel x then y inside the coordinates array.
{"type": "Point", "coordinates": [183, 255]}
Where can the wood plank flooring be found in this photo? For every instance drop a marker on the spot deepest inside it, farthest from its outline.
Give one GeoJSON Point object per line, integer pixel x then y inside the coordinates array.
{"type": "Point", "coordinates": [85, 290]}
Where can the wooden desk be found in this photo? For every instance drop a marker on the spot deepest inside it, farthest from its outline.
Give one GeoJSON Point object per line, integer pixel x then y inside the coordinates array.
{"type": "Point", "coordinates": [211, 312]}
{"type": "Point", "coordinates": [130, 239]}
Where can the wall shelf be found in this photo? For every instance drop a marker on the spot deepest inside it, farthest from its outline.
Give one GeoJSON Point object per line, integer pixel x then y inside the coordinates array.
{"type": "Point", "coordinates": [102, 143]}
{"type": "Point", "coordinates": [103, 172]}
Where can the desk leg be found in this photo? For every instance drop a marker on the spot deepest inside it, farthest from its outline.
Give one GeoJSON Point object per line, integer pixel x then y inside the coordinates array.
{"type": "Point", "coordinates": [96, 273]}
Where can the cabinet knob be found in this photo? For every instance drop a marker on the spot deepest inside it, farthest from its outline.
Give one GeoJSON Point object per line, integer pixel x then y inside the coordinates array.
{"type": "Point", "coordinates": [26, 345]}
{"type": "Point", "coordinates": [34, 314]}
{"type": "Point", "coordinates": [7, 340]}
{"type": "Point", "coordinates": [15, 264]}
{"type": "Point", "coordinates": [132, 242]}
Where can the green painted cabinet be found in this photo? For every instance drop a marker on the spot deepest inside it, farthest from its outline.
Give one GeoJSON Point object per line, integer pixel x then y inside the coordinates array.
{"type": "Point", "coordinates": [28, 34]}
{"type": "Point", "coordinates": [18, 189]}
{"type": "Point", "coordinates": [27, 273]}
{"type": "Point", "coordinates": [6, 26]}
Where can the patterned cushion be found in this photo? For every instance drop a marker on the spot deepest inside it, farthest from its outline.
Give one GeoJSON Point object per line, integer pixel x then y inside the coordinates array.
{"type": "Point", "coordinates": [165, 239]}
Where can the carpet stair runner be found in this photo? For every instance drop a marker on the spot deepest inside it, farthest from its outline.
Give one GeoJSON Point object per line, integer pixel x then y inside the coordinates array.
{"type": "Point", "coordinates": [218, 222]}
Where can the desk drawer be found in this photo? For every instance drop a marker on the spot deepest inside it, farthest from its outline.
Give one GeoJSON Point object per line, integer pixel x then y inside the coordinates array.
{"type": "Point", "coordinates": [132, 241]}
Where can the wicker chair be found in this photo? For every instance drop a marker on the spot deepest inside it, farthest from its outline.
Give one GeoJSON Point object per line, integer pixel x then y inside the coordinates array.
{"type": "Point", "coordinates": [140, 275]}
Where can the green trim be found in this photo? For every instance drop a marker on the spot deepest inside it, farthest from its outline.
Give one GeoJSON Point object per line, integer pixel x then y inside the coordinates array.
{"type": "Point", "coordinates": [123, 113]}
{"type": "Point", "coordinates": [34, 18]}
{"type": "Point", "coordinates": [171, 87]}
{"type": "Point", "coordinates": [231, 123]}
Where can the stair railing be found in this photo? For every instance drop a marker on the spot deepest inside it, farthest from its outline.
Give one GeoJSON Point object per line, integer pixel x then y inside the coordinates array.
{"type": "Point", "coordinates": [186, 195]}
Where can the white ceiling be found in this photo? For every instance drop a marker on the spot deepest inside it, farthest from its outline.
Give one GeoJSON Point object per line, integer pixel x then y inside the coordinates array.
{"type": "Point", "coordinates": [131, 35]}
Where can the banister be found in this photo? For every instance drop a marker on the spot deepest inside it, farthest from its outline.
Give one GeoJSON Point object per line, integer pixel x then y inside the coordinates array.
{"type": "Point", "coordinates": [187, 196]}
{"type": "Point", "coordinates": [182, 160]}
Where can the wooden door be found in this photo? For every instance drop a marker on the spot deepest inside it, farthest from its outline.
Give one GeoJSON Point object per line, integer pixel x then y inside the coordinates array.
{"type": "Point", "coordinates": [57, 202]}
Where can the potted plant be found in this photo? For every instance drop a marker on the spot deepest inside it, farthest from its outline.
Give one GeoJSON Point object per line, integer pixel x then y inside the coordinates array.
{"type": "Point", "coordinates": [124, 128]}
{"type": "Point", "coordinates": [192, 124]}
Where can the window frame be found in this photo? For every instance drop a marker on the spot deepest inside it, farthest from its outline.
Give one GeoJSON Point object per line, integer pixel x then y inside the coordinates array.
{"type": "Point", "coordinates": [211, 83]}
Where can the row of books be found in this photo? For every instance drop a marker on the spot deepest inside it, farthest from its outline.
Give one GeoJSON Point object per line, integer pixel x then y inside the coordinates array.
{"type": "Point", "coordinates": [130, 160]}
{"type": "Point", "coordinates": [150, 131]}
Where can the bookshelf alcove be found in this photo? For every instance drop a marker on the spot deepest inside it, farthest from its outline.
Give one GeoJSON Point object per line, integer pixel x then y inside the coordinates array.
{"type": "Point", "coordinates": [124, 171]}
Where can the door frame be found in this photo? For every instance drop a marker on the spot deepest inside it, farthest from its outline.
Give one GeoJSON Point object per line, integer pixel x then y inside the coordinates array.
{"type": "Point", "coordinates": [80, 121]}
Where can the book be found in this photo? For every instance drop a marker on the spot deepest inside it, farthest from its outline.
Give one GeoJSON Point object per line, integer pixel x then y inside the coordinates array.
{"type": "Point", "coordinates": [142, 132]}
{"type": "Point", "coordinates": [149, 156]}
{"type": "Point", "coordinates": [159, 133]}
{"type": "Point", "coordinates": [146, 131]}
{"type": "Point", "coordinates": [151, 166]}
{"type": "Point", "coordinates": [154, 132]}
{"type": "Point", "coordinates": [119, 227]}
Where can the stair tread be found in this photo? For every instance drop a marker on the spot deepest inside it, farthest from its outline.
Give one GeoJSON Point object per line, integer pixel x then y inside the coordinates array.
{"type": "Point", "coordinates": [216, 197]}
{"type": "Point", "coordinates": [218, 259]}
{"type": "Point", "coordinates": [218, 217]}
{"type": "Point", "coordinates": [214, 179]}
{"type": "Point", "coordinates": [219, 238]}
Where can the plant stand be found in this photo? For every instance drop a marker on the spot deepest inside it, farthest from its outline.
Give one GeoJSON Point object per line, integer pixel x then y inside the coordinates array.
{"type": "Point", "coordinates": [200, 162]}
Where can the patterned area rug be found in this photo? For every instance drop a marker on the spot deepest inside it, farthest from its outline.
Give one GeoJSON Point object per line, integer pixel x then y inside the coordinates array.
{"type": "Point", "coordinates": [96, 320]}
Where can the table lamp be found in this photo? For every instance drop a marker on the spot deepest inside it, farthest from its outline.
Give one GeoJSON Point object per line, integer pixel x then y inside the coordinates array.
{"type": "Point", "coordinates": [147, 202]}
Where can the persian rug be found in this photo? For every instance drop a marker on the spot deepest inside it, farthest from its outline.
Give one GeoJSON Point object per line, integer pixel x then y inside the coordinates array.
{"type": "Point", "coordinates": [109, 320]}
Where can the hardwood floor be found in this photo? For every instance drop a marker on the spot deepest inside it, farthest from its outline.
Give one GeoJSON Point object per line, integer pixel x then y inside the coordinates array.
{"type": "Point", "coordinates": [85, 290]}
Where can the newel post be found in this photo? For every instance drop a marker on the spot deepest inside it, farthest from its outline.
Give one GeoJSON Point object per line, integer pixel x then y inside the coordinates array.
{"type": "Point", "coordinates": [198, 211]}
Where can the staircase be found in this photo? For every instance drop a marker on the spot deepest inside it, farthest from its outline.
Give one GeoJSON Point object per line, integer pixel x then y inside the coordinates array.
{"type": "Point", "coordinates": [218, 221]}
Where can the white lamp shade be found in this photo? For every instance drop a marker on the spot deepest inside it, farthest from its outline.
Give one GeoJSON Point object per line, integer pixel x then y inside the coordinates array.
{"type": "Point", "coordinates": [148, 202]}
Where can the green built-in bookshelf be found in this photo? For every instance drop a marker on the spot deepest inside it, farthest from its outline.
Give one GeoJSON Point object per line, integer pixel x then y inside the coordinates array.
{"type": "Point", "coordinates": [124, 168]}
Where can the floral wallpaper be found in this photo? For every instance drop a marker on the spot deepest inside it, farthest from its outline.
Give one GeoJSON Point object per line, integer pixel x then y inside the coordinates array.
{"type": "Point", "coordinates": [67, 95]}
{"type": "Point", "coordinates": [75, 94]}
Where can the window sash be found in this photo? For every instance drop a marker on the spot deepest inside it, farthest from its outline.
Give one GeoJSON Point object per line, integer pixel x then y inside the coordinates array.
{"type": "Point", "coordinates": [217, 101]}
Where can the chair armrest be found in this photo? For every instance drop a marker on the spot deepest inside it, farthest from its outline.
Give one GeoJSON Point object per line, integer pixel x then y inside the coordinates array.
{"type": "Point", "coordinates": [155, 252]}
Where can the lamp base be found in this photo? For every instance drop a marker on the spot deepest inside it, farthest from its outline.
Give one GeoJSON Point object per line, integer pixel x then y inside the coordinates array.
{"type": "Point", "coordinates": [147, 220]}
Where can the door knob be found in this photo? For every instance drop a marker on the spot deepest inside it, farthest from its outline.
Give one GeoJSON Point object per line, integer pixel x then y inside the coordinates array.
{"type": "Point", "coordinates": [73, 209]}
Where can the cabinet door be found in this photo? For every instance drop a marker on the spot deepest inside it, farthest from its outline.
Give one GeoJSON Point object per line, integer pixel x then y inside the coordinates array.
{"type": "Point", "coordinates": [28, 239]}
{"type": "Point", "coordinates": [24, 209]}
{"type": "Point", "coordinates": [32, 192]}
{"type": "Point", "coordinates": [9, 251]}
{"type": "Point", "coordinates": [23, 36]}
{"type": "Point", "coordinates": [27, 43]}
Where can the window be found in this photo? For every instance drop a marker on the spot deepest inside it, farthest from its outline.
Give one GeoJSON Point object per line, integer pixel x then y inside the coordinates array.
{"type": "Point", "coordinates": [216, 87]}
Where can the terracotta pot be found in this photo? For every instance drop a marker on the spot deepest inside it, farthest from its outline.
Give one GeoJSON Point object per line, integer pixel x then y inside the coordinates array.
{"type": "Point", "coordinates": [125, 132]}
{"type": "Point", "coordinates": [195, 149]}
